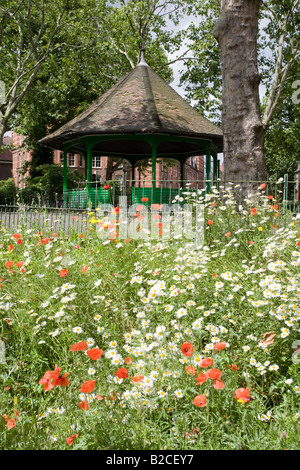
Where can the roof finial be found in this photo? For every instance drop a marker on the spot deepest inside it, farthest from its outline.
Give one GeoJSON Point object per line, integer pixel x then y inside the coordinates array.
{"type": "Point", "coordinates": [142, 60]}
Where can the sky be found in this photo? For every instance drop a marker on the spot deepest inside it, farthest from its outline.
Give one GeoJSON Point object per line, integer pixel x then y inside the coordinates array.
{"type": "Point", "coordinates": [177, 66]}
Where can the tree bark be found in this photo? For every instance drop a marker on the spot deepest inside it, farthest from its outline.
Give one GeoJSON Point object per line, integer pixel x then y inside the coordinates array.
{"type": "Point", "coordinates": [236, 31]}
{"type": "Point", "coordinates": [2, 130]}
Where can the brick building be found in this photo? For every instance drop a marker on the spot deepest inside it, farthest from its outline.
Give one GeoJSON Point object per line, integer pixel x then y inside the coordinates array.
{"type": "Point", "coordinates": [6, 160]}
{"type": "Point", "coordinates": [167, 175]}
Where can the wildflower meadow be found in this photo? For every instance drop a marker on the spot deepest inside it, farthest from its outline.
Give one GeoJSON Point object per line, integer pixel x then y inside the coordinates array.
{"type": "Point", "coordinates": [147, 344]}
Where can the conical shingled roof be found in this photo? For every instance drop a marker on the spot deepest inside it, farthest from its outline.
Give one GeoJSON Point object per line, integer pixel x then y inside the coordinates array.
{"type": "Point", "coordinates": [140, 103]}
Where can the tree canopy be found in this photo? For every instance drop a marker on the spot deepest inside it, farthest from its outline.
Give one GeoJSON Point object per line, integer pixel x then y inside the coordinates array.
{"type": "Point", "coordinates": [56, 58]}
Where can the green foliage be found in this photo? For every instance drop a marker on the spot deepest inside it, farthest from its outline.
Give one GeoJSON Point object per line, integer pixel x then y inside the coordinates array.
{"type": "Point", "coordinates": [282, 137]}
{"type": "Point", "coordinates": [48, 182]}
{"type": "Point", "coordinates": [8, 191]}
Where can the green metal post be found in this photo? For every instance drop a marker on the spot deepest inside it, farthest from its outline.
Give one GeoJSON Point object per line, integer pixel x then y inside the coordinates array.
{"type": "Point", "coordinates": [89, 154]}
{"type": "Point", "coordinates": [182, 172]}
{"type": "Point", "coordinates": [154, 145]}
{"type": "Point", "coordinates": [85, 167]}
{"type": "Point", "coordinates": [89, 162]}
{"type": "Point", "coordinates": [208, 167]}
{"type": "Point", "coordinates": [65, 173]}
{"type": "Point", "coordinates": [215, 168]}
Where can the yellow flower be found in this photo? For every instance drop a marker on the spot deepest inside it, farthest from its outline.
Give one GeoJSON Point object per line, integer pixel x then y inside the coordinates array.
{"type": "Point", "coordinates": [260, 229]}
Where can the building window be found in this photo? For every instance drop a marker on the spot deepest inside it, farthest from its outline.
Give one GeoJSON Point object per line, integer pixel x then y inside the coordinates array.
{"type": "Point", "coordinates": [97, 161]}
{"type": "Point", "coordinates": [81, 160]}
{"type": "Point", "coordinates": [61, 158]}
{"type": "Point", "coordinates": [71, 157]}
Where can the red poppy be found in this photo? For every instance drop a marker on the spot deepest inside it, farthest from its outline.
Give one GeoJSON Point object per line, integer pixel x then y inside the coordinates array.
{"type": "Point", "coordinates": [214, 373]}
{"type": "Point", "coordinates": [52, 378]}
{"type": "Point", "coordinates": [84, 269]}
{"type": "Point", "coordinates": [227, 234]}
{"type": "Point", "coordinates": [10, 423]}
{"type": "Point", "coordinates": [88, 386]}
{"type": "Point", "coordinates": [63, 273]}
{"type": "Point", "coordinates": [262, 186]}
{"type": "Point", "coordinates": [145, 199]}
{"type": "Point", "coordinates": [8, 264]}
{"type": "Point", "coordinates": [19, 264]}
{"type": "Point", "coordinates": [84, 405]}
{"type": "Point", "coordinates": [117, 210]}
{"type": "Point", "coordinates": [122, 373]}
{"type": "Point", "coordinates": [270, 197]}
{"type": "Point", "coordinates": [20, 241]}
{"type": "Point", "coordinates": [128, 360]}
{"type": "Point", "coordinates": [218, 384]}
{"type": "Point", "coordinates": [106, 186]}
{"type": "Point", "coordinates": [242, 394]}
{"type": "Point", "coordinates": [137, 378]}
{"type": "Point", "coordinates": [70, 439]}
{"type": "Point", "coordinates": [81, 346]}
{"type": "Point", "coordinates": [45, 241]}
{"type": "Point", "coordinates": [201, 378]}
{"type": "Point", "coordinates": [47, 381]}
{"type": "Point", "coordinates": [220, 346]}
{"type": "Point", "coordinates": [190, 370]}
{"type": "Point", "coordinates": [58, 379]}
{"type": "Point", "coordinates": [200, 400]}
{"type": "Point", "coordinates": [210, 222]}
{"type": "Point", "coordinates": [95, 353]}
{"type": "Point", "coordinates": [234, 367]}
{"type": "Point", "coordinates": [157, 207]}
{"type": "Point", "coordinates": [11, 247]}
{"type": "Point", "coordinates": [187, 349]}
{"type": "Point", "coordinates": [253, 211]}
{"type": "Point", "coordinates": [16, 235]}
{"type": "Point", "coordinates": [206, 362]}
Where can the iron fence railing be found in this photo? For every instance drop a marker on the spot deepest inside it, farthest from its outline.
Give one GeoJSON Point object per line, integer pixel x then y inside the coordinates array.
{"type": "Point", "coordinates": [74, 211]}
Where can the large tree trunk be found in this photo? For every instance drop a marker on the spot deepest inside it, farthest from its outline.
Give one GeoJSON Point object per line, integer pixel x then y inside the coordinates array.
{"type": "Point", "coordinates": [2, 130]}
{"type": "Point", "coordinates": [236, 32]}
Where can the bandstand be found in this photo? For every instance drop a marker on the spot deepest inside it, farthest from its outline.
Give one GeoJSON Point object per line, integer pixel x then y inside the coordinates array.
{"type": "Point", "coordinates": [140, 117]}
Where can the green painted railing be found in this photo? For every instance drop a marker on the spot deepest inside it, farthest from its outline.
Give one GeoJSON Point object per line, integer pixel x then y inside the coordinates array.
{"type": "Point", "coordinates": [83, 198]}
